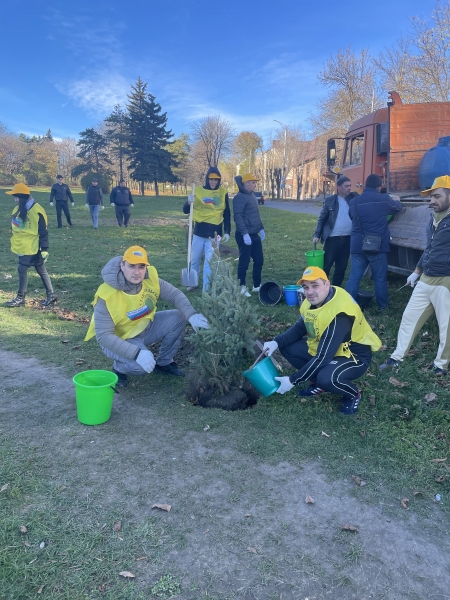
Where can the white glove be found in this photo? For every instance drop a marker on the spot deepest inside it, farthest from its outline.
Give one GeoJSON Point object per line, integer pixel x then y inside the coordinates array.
{"type": "Point", "coordinates": [73, 203]}
{"type": "Point", "coordinates": [146, 360]}
{"type": "Point", "coordinates": [197, 321]}
{"type": "Point", "coordinates": [112, 204]}
{"type": "Point", "coordinates": [103, 208]}
{"type": "Point", "coordinates": [285, 385]}
{"type": "Point", "coordinates": [412, 279]}
{"type": "Point", "coordinates": [131, 205]}
{"type": "Point", "coordinates": [247, 240]}
{"type": "Point", "coordinates": [191, 198]}
{"type": "Point", "coordinates": [226, 237]}
{"type": "Point", "coordinates": [87, 205]}
{"type": "Point", "coordinates": [262, 234]}
{"type": "Point", "coordinates": [270, 347]}
{"type": "Point", "coordinates": [51, 203]}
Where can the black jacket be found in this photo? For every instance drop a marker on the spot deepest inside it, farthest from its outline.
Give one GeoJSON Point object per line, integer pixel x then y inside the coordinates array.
{"type": "Point", "coordinates": [435, 260]}
{"type": "Point", "coordinates": [328, 216]}
{"type": "Point", "coordinates": [246, 211]}
{"type": "Point", "coordinates": [60, 192]}
{"type": "Point", "coordinates": [208, 230]}
{"type": "Point", "coordinates": [94, 195]}
{"type": "Point", "coordinates": [121, 196]}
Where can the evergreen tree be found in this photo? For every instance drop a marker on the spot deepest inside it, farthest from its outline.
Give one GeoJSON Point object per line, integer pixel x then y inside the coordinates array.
{"type": "Point", "coordinates": [148, 140]}
{"type": "Point", "coordinates": [93, 152]}
{"type": "Point", "coordinates": [219, 352]}
{"type": "Point", "coordinates": [116, 135]}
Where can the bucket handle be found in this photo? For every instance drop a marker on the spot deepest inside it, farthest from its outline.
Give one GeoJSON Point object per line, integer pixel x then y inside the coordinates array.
{"type": "Point", "coordinates": [257, 360]}
{"type": "Point", "coordinates": [115, 390]}
{"type": "Point", "coordinates": [315, 245]}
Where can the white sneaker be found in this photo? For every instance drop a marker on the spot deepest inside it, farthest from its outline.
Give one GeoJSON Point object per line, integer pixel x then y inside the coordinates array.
{"type": "Point", "coordinates": [256, 289]}
{"type": "Point", "coordinates": [245, 292]}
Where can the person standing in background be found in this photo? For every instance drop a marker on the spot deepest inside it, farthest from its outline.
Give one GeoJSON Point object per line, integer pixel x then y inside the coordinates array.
{"type": "Point", "coordinates": [121, 199]}
{"type": "Point", "coordinates": [61, 193]}
{"type": "Point", "coordinates": [94, 199]}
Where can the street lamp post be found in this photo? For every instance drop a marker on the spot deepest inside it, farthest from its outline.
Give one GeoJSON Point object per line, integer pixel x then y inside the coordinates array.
{"type": "Point", "coordinates": [283, 180]}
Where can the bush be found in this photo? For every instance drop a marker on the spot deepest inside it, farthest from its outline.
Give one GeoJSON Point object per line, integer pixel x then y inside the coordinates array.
{"type": "Point", "coordinates": [104, 181]}
{"type": "Point", "coordinates": [7, 179]}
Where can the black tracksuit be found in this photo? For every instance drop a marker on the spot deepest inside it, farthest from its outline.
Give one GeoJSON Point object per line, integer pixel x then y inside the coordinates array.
{"type": "Point", "coordinates": [61, 193]}
{"type": "Point", "coordinates": [122, 199]}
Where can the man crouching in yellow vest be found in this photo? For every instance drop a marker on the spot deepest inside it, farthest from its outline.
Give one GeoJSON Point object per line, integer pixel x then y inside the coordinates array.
{"type": "Point", "coordinates": [126, 321]}
{"type": "Point", "coordinates": [330, 345]}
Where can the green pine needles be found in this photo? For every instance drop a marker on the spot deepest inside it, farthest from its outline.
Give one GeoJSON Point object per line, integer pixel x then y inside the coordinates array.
{"type": "Point", "coordinates": [219, 352]}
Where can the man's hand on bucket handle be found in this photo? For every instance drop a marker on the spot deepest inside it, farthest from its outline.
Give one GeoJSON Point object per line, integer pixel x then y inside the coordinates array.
{"type": "Point", "coordinates": [270, 347]}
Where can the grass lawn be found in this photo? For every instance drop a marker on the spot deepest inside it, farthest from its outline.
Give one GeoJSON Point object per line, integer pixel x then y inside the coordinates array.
{"type": "Point", "coordinates": [393, 443]}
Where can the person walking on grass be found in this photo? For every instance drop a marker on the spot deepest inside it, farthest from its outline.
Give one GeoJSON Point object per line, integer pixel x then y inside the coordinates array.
{"type": "Point", "coordinates": [431, 293]}
{"type": "Point", "coordinates": [331, 344]}
{"type": "Point", "coordinates": [30, 242]}
{"type": "Point", "coordinates": [211, 212]}
{"type": "Point", "coordinates": [333, 229]}
{"type": "Point", "coordinates": [60, 193]}
{"type": "Point", "coordinates": [126, 321]}
{"type": "Point", "coordinates": [122, 200]}
{"type": "Point", "coordinates": [94, 199]}
{"type": "Point", "coordinates": [249, 232]}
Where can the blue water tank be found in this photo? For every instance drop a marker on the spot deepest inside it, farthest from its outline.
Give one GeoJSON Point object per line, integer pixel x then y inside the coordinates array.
{"type": "Point", "coordinates": [435, 162]}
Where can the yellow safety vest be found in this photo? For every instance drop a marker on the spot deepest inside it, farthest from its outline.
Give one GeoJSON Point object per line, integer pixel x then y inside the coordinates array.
{"type": "Point", "coordinates": [25, 236]}
{"type": "Point", "coordinates": [209, 205]}
{"type": "Point", "coordinates": [131, 313]}
{"type": "Point", "coordinates": [318, 319]}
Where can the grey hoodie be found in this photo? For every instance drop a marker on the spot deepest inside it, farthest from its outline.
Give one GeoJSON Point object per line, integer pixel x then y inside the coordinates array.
{"type": "Point", "coordinates": [104, 325]}
{"type": "Point", "coordinates": [246, 211]}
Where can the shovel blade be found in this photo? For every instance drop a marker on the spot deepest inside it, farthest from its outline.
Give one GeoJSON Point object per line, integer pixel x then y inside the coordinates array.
{"type": "Point", "coordinates": [189, 277]}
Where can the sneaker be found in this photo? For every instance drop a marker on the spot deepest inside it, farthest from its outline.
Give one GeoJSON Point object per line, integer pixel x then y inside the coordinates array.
{"type": "Point", "coordinates": [245, 292]}
{"type": "Point", "coordinates": [350, 406]}
{"type": "Point", "coordinates": [51, 298]}
{"type": "Point", "coordinates": [19, 300]}
{"type": "Point", "coordinates": [312, 390]}
{"type": "Point", "coordinates": [256, 289]}
{"type": "Point", "coordinates": [391, 362]}
{"type": "Point", "coordinates": [436, 370]}
{"type": "Point", "coordinates": [170, 369]}
{"type": "Point", "coordinates": [122, 382]}
{"type": "Point", "coordinates": [191, 287]}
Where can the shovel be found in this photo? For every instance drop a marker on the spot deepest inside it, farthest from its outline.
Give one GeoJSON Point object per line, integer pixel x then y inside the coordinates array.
{"type": "Point", "coordinates": [189, 277]}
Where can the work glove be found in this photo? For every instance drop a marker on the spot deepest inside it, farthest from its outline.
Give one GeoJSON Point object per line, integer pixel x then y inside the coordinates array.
{"type": "Point", "coordinates": [131, 205]}
{"type": "Point", "coordinates": [247, 240]}
{"type": "Point", "coordinates": [103, 208]}
{"type": "Point", "coordinates": [412, 279]}
{"type": "Point", "coordinates": [270, 347]}
{"type": "Point", "coordinates": [44, 255]}
{"type": "Point", "coordinates": [262, 234]}
{"type": "Point", "coordinates": [87, 205]}
{"type": "Point", "coordinates": [285, 385]}
{"type": "Point", "coordinates": [146, 360]}
{"type": "Point", "coordinates": [198, 320]}
{"type": "Point", "coordinates": [191, 198]}
{"type": "Point", "coordinates": [112, 204]}
{"type": "Point", "coordinates": [73, 203]}
{"type": "Point", "coordinates": [51, 203]}
{"type": "Point", "coordinates": [226, 237]}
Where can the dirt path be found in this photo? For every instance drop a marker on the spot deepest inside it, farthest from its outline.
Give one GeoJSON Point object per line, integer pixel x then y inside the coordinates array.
{"type": "Point", "coordinates": [240, 528]}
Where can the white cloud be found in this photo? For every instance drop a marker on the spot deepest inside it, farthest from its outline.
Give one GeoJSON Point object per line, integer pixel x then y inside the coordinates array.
{"type": "Point", "coordinates": [97, 95]}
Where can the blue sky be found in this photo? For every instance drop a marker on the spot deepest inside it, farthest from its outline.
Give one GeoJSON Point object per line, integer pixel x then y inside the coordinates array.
{"type": "Point", "coordinates": [65, 64]}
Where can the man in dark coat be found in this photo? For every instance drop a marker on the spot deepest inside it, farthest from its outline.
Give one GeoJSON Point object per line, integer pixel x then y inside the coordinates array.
{"type": "Point", "coordinates": [61, 193]}
{"type": "Point", "coordinates": [333, 229]}
{"type": "Point", "coordinates": [94, 199]}
{"type": "Point", "coordinates": [121, 199]}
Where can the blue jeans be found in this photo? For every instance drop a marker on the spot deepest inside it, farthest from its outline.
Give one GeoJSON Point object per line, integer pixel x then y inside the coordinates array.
{"type": "Point", "coordinates": [200, 245]}
{"type": "Point", "coordinates": [94, 209]}
{"type": "Point", "coordinates": [378, 265]}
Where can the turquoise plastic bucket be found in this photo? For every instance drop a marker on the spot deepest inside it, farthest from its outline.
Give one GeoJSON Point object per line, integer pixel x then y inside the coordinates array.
{"type": "Point", "coordinates": [94, 391]}
{"type": "Point", "coordinates": [291, 294]}
{"type": "Point", "coordinates": [262, 377]}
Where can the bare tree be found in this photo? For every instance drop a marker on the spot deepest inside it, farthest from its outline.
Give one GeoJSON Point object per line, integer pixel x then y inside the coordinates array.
{"type": "Point", "coordinates": [245, 146]}
{"type": "Point", "coordinates": [214, 136]}
{"type": "Point", "coordinates": [67, 150]}
{"type": "Point", "coordinates": [13, 152]}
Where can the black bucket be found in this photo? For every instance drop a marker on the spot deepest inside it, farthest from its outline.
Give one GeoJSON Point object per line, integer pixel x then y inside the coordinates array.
{"type": "Point", "coordinates": [364, 299]}
{"type": "Point", "coordinates": [270, 293]}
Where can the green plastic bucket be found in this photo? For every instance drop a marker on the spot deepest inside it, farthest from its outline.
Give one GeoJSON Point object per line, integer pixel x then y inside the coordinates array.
{"type": "Point", "coordinates": [94, 391]}
{"type": "Point", "coordinates": [262, 377]}
{"type": "Point", "coordinates": [314, 258]}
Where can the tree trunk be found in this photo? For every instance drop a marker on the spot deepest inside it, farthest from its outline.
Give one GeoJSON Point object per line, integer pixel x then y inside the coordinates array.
{"type": "Point", "coordinates": [156, 188]}
{"type": "Point", "coordinates": [142, 189]}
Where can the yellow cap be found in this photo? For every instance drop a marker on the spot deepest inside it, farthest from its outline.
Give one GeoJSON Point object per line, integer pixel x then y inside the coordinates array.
{"type": "Point", "coordinates": [249, 177]}
{"type": "Point", "coordinates": [135, 255]}
{"type": "Point", "coordinates": [19, 188]}
{"type": "Point", "coordinates": [311, 274]}
{"type": "Point", "coordinates": [439, 182]}
{"type": "Point", "coordinates": [213, 176]}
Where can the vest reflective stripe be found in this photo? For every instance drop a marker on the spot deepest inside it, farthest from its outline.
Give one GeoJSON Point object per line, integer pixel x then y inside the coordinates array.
{"type": "Point", "coordinates": [131, 313]}
{"type": "Point", "coordinates": [209, 205]}
{"type": "Point", "coordinates": [318, 319]}
{"type": "Point", "coordinates": [25, 238]}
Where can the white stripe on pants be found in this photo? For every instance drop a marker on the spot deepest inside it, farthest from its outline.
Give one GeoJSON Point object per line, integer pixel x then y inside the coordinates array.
{"type": "Point", "coordinates": [425, 300]}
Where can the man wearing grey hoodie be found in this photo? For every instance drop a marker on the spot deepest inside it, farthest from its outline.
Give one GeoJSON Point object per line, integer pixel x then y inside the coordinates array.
{"type": "Point", "coordinates": [126, 321]}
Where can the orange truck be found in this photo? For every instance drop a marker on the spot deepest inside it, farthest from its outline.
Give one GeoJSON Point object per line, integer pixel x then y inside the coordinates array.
{"type": "Point", "coordinates": [393, 142]}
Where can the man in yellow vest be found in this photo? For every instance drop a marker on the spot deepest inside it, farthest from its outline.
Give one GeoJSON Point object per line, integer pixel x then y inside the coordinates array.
{"type": "Point", "coordinates": [331, 344]}
{"type": "Point", "coordinates": [126, 321]}
{"type": "Point", "coordinates": [211, 209]}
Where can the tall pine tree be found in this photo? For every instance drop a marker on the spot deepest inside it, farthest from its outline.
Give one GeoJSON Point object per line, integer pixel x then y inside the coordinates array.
{"type": "Point", "coordinates": [148, 140]}
{"type": "Point", "coordinates": [93, 152]}
{"type": "Point", "coordinates": [116, 135]}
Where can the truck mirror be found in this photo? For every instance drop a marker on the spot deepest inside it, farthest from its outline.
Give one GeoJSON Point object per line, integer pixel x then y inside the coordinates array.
{"type": "Point", "coordinates": [331, 153]}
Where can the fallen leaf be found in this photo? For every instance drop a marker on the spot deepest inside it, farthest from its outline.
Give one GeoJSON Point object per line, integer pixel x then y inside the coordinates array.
{"type": "Point", "coordinates": [431, 397]}
{"type": "Point", "coordinates": [117, 526]}
{"type": "Point", "coordinates": [309, 499]}
{"type": "Point", "coordinates": [79, 362]}
{"type": "Point", "coordinates": [362, 433]}
{"type": "Point", "coordinates": [441, 478]}
{"type": "Point", "coordinates": [383, 348]}
{"type": "Point", "coordinates": [418, 446]}
{"type": "Point", "coordinates": [396, 407]}
{"type": "Point", "coordinates": [64, 341]}
{"type": "Point", "coordinates": [206, 428]}
{"type": "Point", "coordinates": [303, 399]}
{"type": "Point", "coordinates": [41, 588]}
{"type": "Point", "coordinates": [369, 374]}
{"type": "Point", "coordinates": [141, 558]}
{"type": "Point", "coordinates": [250, 549]}
{"type": "Point", "coordinates": [404, 503]}
{"type": "Point", "coordinates": [4, 487]}
{"type": "Point", "coordinates": [165, 507]}
{"type": "Point", "coordinates": [284, 442]}
{"type": "Point", "coordinates": [27, 544]}
{"type": "Point", "coordinates": [381, 327]}
{"type": "Point", "coordinates": [23, 529]}
{"type": "Point", "coordinates": [397, 382]}
{"type": "Point", "coordinates": [127, 574]}
{"type": "Point", "coordinates": [359, 481]}
{"type": "Point", "coordinates": [248, 515]}
{"type": "Point", "coordinates": [76, 347]}
{"type": "Point", "coordinates": [438, 460]}
{"type": "Point", "coordinates": [418, 493]}
{"type": "Point", "coordinates": [350, 528]}
{"type": "Point", "coordinates": [372, 400]}
{"type": "Point", "coordinates": [405, 414]}
{"type": "Point", "coordinates": [325, 434]}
